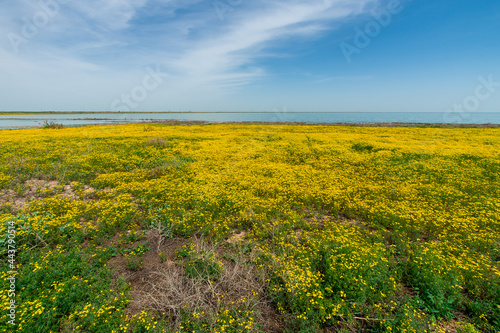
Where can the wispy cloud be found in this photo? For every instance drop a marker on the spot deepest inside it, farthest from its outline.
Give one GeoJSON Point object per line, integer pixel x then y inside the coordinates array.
{"type": "Point", "coordinates": [111, 38]}
{"type": "Point", "coordinates": [252, 30]}
{"type": "Point", "coordinates": [110, 14]}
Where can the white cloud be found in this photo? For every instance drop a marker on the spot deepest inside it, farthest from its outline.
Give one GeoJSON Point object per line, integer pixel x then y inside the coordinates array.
{"type": "Point", "coordinates": [112, 14]}
{"type": "Point", "coordinates": [106, 41]}
{"type": "Point", "coordinates": [249, 32]}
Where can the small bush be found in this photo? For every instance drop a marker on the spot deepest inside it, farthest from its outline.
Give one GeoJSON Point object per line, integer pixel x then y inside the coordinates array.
{"type": "Point", "coordinates": [52, 125]}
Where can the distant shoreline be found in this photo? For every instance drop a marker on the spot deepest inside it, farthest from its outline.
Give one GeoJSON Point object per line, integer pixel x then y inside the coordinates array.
{"type": "Point", "coordinates": [34, 119]}
{"type": "Point", "coordinates": [174, 122]}
{"type": "Point", "coordinates": [14, 113]}
{"type": "Point", "coordinates": [375, 124]}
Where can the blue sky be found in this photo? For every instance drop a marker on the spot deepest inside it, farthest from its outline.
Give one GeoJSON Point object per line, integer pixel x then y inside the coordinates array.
{"type": "Point", "coordinates": [242, 55]}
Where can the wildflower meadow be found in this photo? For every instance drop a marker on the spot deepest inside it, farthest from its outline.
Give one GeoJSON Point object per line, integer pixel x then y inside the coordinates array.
{"type": "Point", "coordinates": [250, 228]}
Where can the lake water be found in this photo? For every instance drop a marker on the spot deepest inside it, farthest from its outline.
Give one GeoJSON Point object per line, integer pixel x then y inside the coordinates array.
{"type": "Point", "coordinates": [28, 121]}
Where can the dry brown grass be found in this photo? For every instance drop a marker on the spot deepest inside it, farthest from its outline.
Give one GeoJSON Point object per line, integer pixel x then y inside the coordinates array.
{"type": "Point", "coordinates": [163, 288]}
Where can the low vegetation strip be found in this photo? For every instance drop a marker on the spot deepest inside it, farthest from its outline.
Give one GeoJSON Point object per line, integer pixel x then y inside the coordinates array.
{"type": "Point", "coordinates": [251, 228]}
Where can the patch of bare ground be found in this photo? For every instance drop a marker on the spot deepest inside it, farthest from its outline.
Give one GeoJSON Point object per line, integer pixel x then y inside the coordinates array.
{"type": "Point", "coordinates": [34, 189]}
{"type": "Point", "coordinates": [449, 326]}
{"type": "Point", "coordinates": [163, 288]}
{"type": "Point", "coordinates": [11, 199]}
{"type": "Point", "coordinates": [237, 238]}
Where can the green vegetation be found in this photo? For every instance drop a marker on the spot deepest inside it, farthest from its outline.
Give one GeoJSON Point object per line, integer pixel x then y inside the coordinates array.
{"type": "Point", "coordinates": [250, 228]}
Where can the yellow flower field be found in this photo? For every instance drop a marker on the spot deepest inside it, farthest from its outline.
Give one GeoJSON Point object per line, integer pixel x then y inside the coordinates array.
{"type": "Point", "coordinates": [252, 228]}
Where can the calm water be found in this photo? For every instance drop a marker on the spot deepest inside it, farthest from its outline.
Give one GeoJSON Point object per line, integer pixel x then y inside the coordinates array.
{"type": "Point", "coordinates": [26, 121]}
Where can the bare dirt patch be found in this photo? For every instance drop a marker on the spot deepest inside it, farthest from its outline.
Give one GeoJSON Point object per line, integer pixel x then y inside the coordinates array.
{"type": "Point", "coordinates": [237, 238]}
{"type": "Point", "coordinates": [163, 288]}
{"type": "Point", "coordinates": [10, 198]}
{"type": "Point", "coordinates": [151, 265]}
{"type": "Point", "coordinates": [453, 326]}
{"type": "Point", "coordinates": [33, 189]}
